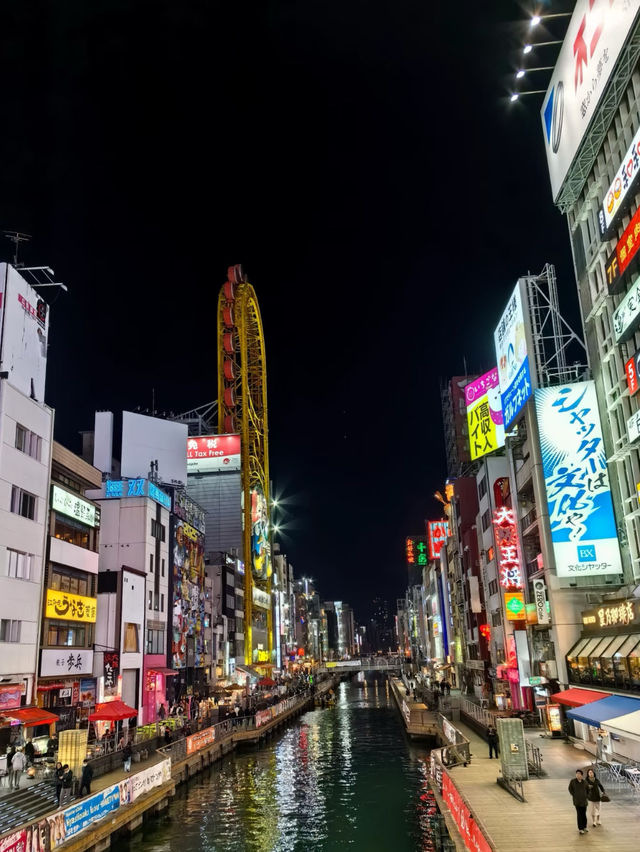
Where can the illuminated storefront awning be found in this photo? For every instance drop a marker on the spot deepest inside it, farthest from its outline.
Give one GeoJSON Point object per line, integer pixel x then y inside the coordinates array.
{"type": "Point", "coordinates": [577, 697]}
{"type": "Point", "coordinates": [607, 708]}
{"type": "Point", "coordinates": [164, 671]}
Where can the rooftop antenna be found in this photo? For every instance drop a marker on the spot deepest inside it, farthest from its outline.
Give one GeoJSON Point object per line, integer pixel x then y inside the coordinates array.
{"type": "Point", "coordinates": [16, 237]}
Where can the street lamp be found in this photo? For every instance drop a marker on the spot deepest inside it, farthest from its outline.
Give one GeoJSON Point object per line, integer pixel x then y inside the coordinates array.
{"type": "Point", "coordinates": [522, 71]}
{"type": "Point", "coordinates": [537, 19]}
{"type": "Point", "coordinates": [517, 95]}
{"type": "Point", "coordinates": [529, 47]}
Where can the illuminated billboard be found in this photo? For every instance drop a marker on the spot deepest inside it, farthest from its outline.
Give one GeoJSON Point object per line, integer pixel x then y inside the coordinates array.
{"type": "Point", "coordinates": [628, 244]}
{"type": "Point", "coordinates": [211, 453]}
{"type": "Point", "coordinates": [505, 531]}
{"type": "Point", "coordinates": [622, 187]}
{"type": "Point", "coordinates": [512, 355]}
{"type": "Point", "coordinates": [593, 42]}
{"type": "Point", "coordinates": [626, 316]}
{"type": "Point", "coordinates": [74, 506]}
{"type": "Point", "coordinates": [70, 607]}
{"type": "Point", "coordinates": [187, 559]}
{"type": "Point", "coordinates": [437, 533]}
{"type": "Point", "coordinates": [484, 414]}
{"type": "Point", "coordinates": [581, 518]}
{"type": "Point", "coordinates": [260, 543]}
{"type": "Point", "coordinates": [415, 548]}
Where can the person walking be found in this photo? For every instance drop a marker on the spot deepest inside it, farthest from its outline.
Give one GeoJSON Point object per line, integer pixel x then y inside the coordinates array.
{"type": "Point", "coordinates": [578, 790]}
{"type": "Point", "coordinates": [87, 775]}
{"type": "Point", "coordinates": [127, 752]}
{"type": "Point", "coordinates": [162, 712]}
{"type": "Point", "coordinates": [595, 792]}
{"type": "Point", "coordinates": [492, 739]}
{"type": "Point", "coordinates": [67, 783]}
{"type": "Point", "coordinates": [29, 752]}
{"type": "Point", "coordinates": [18, 764]}
{"type": "Point", "coordinates": [59, 772]}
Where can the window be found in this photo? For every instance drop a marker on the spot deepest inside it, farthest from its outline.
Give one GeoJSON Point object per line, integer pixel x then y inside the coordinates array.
{"type": "Point", "coordinates": [486, 520]}
{"type": "Point", "coordinates": [151, 563]}
{"type": "Point", "coordinates": [131, 645]}
{"type": "Point", "coordinates": [19, 564]}
{"type": "Point", "coordinates": [150, 600]}
{"type": "Point", "coordinates": [23, 503]}
{"type": "Point", "coordinates": [156, 642]}
{"type": "Point", "coordinates": [68, 582]}
{"type": "Point", "coordinates": [163, 567]}
{"type": "Point", "coordinates": [493, 587]}
{"type": "Point", "coordinates": [157, 529]}
{"type": "Point", "coordinates": [496, 618]}
{"type": "Point", "coordinates": [482, 487]}
{"type": "Point", "coordinates": [61, 634]}
{"type": "Point", "coordinates": [73, 532]}
{"type": "Point", "coordinates": [28, 442]}
{"type": "Point", "coordinates": [161, 603]}
{"type": "Point", "coordinates": [9, 630]}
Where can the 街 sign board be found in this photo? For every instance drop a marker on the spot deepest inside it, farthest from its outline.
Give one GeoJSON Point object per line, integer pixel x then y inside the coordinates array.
{"type": "Point", "coordinates": [583, 527]}
{"type": "Point", "coordinates": [484, 414]}
{"type": "Point", "coordinates": [592, 45]}
{"type": "Point", "coordinates": [70, 607]}
{"type": "Point", "coordinates": [511, 339]}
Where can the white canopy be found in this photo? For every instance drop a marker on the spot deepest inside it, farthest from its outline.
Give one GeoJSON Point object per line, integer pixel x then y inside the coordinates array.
{"type": "Point", "coordinates": [624, 726]}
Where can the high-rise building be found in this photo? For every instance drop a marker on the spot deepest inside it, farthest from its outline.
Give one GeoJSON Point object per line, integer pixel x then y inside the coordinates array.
{"type": "Point", "coordinates": [456, 430]}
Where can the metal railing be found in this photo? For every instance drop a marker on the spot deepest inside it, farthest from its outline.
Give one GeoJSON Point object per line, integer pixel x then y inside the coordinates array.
{"type": "Point", "coordinates": [527, 520]}
{"type": "Point", "coordinates": [479, 714]}
{"type": "Point", "coordinates": [534, 758]}
{"type": "Point", "coordinates": [458, 748]}
{"type": "Point", "coordinates": [512, 785]}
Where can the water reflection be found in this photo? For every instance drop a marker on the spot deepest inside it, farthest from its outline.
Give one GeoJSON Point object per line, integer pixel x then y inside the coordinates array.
{"type": "Point", "coordinates": [343, 777]}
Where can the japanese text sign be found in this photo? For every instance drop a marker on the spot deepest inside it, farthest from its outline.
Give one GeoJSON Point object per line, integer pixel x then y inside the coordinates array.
{"type": "Point", "coordinates": [621, 614]}
{"type": "Point", "coordinates": [631, 369]}
{"type": "Point", "coordinates": [593, 42]}
{"type": "Point", "coordinates": [468, 828]}
{"type": "Point", "coordinates": [621, 184]}
{"type": "Point", "coordinates": [212, 453]}
{"type": "Point", "coordinates": [505, 531]}
{"type": "Point", "coordinates": [136, 488]}
{"type": "Point", "coordinates": [416, 550]}
{"type": "Point", "coordinates": [626, 316]}
{"type": "Point", "coordinates": [581, 518]}
{"type": "Point", "coordinates": [627, 246]}
{"type": "Point", "coordinates": [70, 607]}
{"type": "Point", "coordinates": [514, 606]}
{"type": "Point", "coordinates": [514, 371]}
{"type": "Point", "coordinates": [58, 662]}
{"type": "Point", "coordinates": [438, 532]}
{"type": "Point", "coordinates": [111, 669]}
{"type": "Point", "coordinates": [75, 507]}
{"type": "Point", "coordinates": [614, 278]}
{"type": "Point", "coordinates": [633, 427]}
{"type": "Point", "coordinates": [484, 414]}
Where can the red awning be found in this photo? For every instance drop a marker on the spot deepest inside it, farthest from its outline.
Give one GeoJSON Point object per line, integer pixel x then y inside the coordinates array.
{"type": "Point", "coordinates": [49, 686]}
{"type": "Point", "coordinates": [163, 671]}
{"type": "Point", "coordinates": [112, 711]}
{"type": "Point", "coordinates": [577, 697]}
{"type": "Point", "coordinates": [30, 716]}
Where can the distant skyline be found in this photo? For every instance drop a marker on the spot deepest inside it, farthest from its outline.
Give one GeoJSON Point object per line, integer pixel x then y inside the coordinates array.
{"type": "Point", "coordinates": [366, 170]}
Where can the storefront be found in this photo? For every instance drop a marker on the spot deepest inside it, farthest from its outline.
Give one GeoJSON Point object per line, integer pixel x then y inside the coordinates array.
{"type": "Point", "coordinates": [66, 686]}
{"type": "Point", "coordinates": [156, 686]}
{"type": "Point", "coordinates": [591, 722]}
{"type": "Point", "coordinates": [608, 652]}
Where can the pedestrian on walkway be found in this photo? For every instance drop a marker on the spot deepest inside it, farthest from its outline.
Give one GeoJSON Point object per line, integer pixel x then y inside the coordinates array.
{"type": "Point", "coordinates": [67, 783]}
{"type": "Point", "coordinates": [162, 712]}
{"type": "Point", "coordinates": [18, 764]}
{"type": "Point", "coordinates": [447, 687]}
{"type": "Point", "coordinates": [127, 751]}
{"type": "Point", "coordinates": [87, 775]}
{"type": "Point", "coordinates": [492, 739]}
{"type": "Point", "coordinates": [58, 773]}
{"type": "Point", "coordinates": [595, 791]}
{"type": "Point", "coordinates": [578, 791]}
{"type": "Point", "coordinates": [442, 687]}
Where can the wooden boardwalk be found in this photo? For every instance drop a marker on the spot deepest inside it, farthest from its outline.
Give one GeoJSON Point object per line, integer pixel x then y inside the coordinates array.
{"type": "Point", "coordinates": [547, 819]}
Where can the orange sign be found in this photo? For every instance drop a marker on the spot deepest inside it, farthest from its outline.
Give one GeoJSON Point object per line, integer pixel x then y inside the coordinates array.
{"type": "Point", "coordinates": [195, 742]}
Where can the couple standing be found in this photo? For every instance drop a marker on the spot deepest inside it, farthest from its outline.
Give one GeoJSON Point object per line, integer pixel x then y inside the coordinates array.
{"type": "Point", "coordinates": [586, 792]}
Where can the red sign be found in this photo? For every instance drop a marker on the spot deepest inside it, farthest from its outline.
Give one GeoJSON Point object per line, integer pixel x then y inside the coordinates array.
{"type": "Point", "coordinates": [203, 738]}
{"type": "Point", "coordinates": [506, 535]}
{"type": "Point", "coordinates": [631, 372]}
{"type": "Point", "coordinates": [629, 242]}
{"type": "Point", "coordinates": [15, 842]}
{"type": "Point", "coordinates": [438, 532]}
{"type": "Point", "coordinates": [213, 452]}
{"type": "Point", "coordinates": [415, 549]}
{"type": "Point", "coordinates": [469, 829]}
{"type": "Point", "coordinates": [75, 696]}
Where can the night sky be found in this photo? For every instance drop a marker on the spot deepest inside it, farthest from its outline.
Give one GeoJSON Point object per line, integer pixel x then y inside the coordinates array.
{"type": "Point", "coordinates": [359, 158]}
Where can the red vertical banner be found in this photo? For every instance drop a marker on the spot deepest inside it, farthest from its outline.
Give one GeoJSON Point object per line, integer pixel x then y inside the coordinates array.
{"type": "Point", "coordinates": [469, 829]}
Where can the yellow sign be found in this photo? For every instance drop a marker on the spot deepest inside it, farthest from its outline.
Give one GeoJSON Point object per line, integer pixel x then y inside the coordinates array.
{"type": "Point", "coordinates": [190, 532]}
{"type": "Point", "coordinates": [70, 607]}
{"type": "Point", "coordinates": [514, 605]}
{"type": "Point", "coordinates": [484, 414]}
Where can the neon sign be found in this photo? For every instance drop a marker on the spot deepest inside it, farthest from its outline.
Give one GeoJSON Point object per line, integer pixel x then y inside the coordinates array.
{"type": "Point", "coordinates": [438, 535]}
{"type": "Point", "coordinates": [136, 488]}
{"type": "Point", "coordinates": [506, 534]}
{"type": "Point", "coordinates": [416, 550]}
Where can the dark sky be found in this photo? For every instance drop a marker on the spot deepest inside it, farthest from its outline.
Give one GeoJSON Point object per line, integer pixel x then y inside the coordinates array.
{"type": "Point", "coordinates": [358, 157]}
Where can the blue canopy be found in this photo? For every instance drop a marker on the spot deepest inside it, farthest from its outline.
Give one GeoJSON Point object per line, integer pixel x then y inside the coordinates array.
{"type": "Point", "coordinates": [606, 708]}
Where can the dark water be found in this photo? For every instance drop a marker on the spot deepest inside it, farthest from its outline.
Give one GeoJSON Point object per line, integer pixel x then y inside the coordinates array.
{"type": "Point", "coordinates": [339, 778]}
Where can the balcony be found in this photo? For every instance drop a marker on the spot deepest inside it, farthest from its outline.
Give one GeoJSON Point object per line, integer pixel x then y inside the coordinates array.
{"type": "Point", "coordinates": [533, 568]}
{"type": "Point", "coordinates": [528, 520]}
{"type": "Point", "coordinates": [73, 556]}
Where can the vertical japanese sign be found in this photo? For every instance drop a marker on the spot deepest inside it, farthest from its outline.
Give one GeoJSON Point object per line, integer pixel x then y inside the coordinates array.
{"type": "Point", "coordinates": [506, 535]}
{"type": "Point", "coordinates": [111, 664]}
{"type": "Point", "coordinates": [438, 532]}
{"type": "Point", "coordinates": [512, 354]}
{"type": "Point", "coordinates": [583, 527]}
{"type": "Point", "coordinates": [484, 414]}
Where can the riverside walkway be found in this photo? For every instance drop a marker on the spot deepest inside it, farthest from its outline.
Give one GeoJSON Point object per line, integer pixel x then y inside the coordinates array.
{"type": "Point", "coordinates": [547, 819]}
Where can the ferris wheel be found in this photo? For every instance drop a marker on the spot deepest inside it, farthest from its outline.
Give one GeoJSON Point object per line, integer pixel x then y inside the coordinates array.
{"type": "Point", "coordinates": [242, 409]}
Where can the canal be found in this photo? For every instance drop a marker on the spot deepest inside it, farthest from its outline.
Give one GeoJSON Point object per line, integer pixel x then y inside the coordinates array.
{"type": "Point", "coordinates": [339, 778]}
